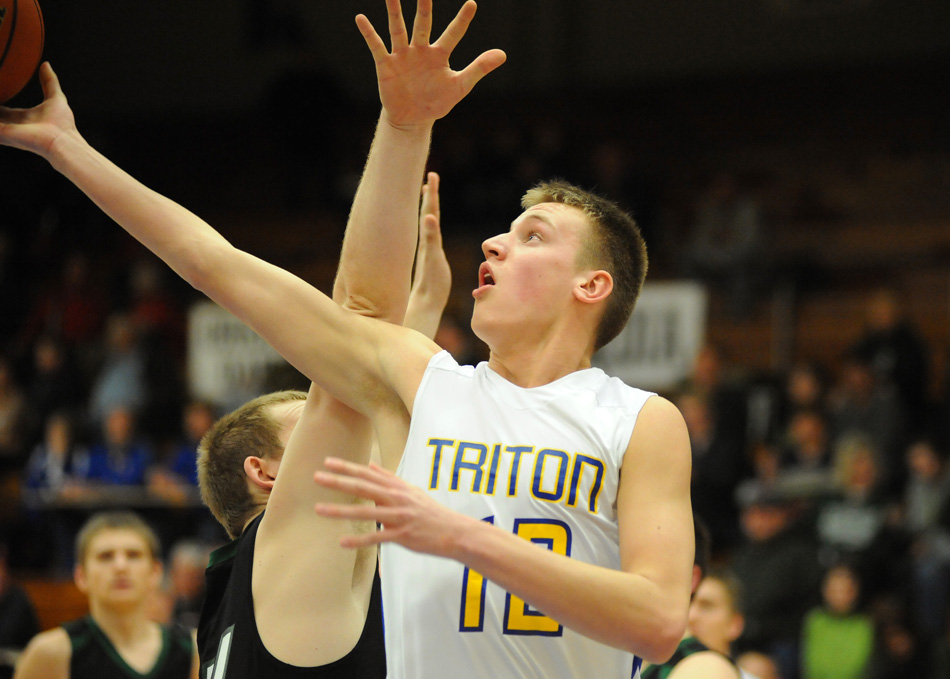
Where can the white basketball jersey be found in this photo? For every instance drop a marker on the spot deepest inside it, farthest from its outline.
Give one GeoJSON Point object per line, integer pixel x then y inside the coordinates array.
{"type": "Point", "coordinates": [543, 463]}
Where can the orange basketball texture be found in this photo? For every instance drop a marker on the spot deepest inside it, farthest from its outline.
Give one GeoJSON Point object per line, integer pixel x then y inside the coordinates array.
{"type": "Point", "coordinates": [21, 44]}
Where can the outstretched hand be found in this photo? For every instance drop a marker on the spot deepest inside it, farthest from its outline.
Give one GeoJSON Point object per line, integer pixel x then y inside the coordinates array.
{"type": "Point", "coordinates": [409, 517]}
{"type": "Point", "coordinates": [432, 278]}
{"type": "Point", "coordinates": [416, 83]}
{"type": "Point", "coordinates": [432, 273]}
{"type": "Point", "coordinates": [37, 129]}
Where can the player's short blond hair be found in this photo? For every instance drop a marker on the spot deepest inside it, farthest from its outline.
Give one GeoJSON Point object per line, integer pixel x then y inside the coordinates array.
{"type": "Point", "coordinates": [614, 244]}
{"type": "Point", "coordinates": [251, 430]}
{"type": "Point", "coordinates": [118, 520]}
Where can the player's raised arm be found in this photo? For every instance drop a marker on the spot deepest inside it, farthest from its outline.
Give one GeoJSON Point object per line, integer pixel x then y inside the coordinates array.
{"type": "Point", "coordinates": [416, 87]}
{"type": "Point", "coordinates": [290, 314]}
{"type": "Point", "coordinates": [432, 278]}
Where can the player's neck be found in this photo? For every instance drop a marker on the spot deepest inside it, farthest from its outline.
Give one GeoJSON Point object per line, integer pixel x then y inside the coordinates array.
{"type": "Point", "coordinates": [254, 516]}
{"type": "Point", "coordinates": [536, 368]}
{"type": "Point", "coordinates": [532, 359]}
{"type": "Point", "coordinates": [125, 626]}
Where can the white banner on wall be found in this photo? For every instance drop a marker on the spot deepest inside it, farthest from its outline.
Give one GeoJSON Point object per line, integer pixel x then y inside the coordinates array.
{"type": "Point", "coordinates": [657, 348]}
{"type": "Point", "coordinates": [227, 361]}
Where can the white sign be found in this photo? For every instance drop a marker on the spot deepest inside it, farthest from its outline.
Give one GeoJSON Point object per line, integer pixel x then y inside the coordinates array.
{"type": "Point", "coordinates": [657, 348]}
{"type": "Point", "coordinates": [227, 361]}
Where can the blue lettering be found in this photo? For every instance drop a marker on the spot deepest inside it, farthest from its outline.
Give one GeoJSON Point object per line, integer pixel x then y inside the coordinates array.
{"type": "Point", "coordinates": [563, 462]}
{"type": "Point", "coordinates": [476, 467]}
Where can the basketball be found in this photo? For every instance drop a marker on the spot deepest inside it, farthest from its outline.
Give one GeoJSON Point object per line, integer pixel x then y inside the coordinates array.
{"type": "Point", "coordinates": [21, 44]}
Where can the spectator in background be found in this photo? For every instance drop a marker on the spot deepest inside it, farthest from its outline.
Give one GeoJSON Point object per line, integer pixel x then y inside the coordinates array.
{"type": "Point", "coordinates": [807, 442]}
{"type": "Point", "coordinates": [862, 406]}
{"type": "Point", "coordinates": [152, 308]}
{"type": "Point", "coordinates": [120, 457]}
{"type": "Point", "coordinates": [778, 568]}
{"type": "Point", "coordinates": [926, 518]}
{"type": "Point", "coordinates": [716, 468]}
{"type": "Point", "coordinates": [837, 638]}
{"type": "Point", "coordinates": [18, 621]}
{"type": "Point", "coordinates": [175, 478]}
{"type": "Point", "coordinates": [56, 384]}
{"type": "Point", "coordinates": [806, 387]}
{"type": "Point", "coordinates": [857, 523]}
{"type": "Point", "coordinates": [186, 577]}
{"type": "Point", "coordinates": [806, 457]}
{"type": "Point", "coordinates": [718, 402]}
{"type": "Point", "coordinates": [11, 418]}
{"type": "Point", "coordinates": [71, 309]}
{"type": "Point", "coordinates": [120, 380]}
{"type": "Point", "coordinates": [897, 354]}
{"type": "Point", "coordinates": [725, 243]}
{"type": "Point", "coordinates": [50, 467]}
{"type": "Point", "coordinates": [899, 652]}
{"type": "Point", "coordinates": [50, 476]}
{"type": "Point", "coordinates": [196, 420]}
{"type": "Point", "coordinates": [160, 326]}
{"type": "Point", "coordinates": [715, 614]}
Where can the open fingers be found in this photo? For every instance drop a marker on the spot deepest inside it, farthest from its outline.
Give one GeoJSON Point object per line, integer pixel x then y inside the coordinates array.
{"type": "Point", "coordinates": [455, 31]}
{"type": "Point", "coordinates": [370, 472]}
{"type": "Point", "coordinates": [398, 34]}
{"type": "Point", "coordinates": [350, 486]}
{"type": "Point", "coordinates": [485, 63]}
{"type": "Point", "coordinates": [376, 45]}
{"type": "Point", "coordinates": [422, 25]}
{"type": "Point", "coordinates": [430, 196]}
{"type": "Point", "coordinates": [49, 81]}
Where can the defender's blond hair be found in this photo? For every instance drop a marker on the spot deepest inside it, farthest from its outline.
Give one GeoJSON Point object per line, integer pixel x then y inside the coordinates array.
{"type": "Point", "coordinates": [251, 430]}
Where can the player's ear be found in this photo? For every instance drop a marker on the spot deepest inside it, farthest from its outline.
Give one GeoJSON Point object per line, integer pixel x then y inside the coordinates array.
{"type": "Point", "coordinates": [594, 286]}
{"type": "Point", "coordinates": [697, 577]}
{"type": "Point", "coordinates": [736, 626]}
{"type": "Point", "coordinates": [79, 577]}
{"type": "Point", "coordinates": [259, 472]}
{"type": "Point", "coordinates": [158, 571]}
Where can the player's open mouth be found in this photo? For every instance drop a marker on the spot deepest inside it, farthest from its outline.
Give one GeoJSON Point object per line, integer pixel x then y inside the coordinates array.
{"type": "Point", "coordinates": [484, 275]}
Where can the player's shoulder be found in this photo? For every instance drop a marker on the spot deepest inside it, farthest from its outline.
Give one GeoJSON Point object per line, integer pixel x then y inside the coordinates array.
{"type": "Point", "coordinates": [46, 656]}
{"type": "Point", "coordinates": [613, 391]}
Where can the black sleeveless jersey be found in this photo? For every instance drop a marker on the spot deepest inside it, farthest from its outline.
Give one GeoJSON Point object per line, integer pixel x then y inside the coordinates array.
{"type": "Point", "coordinates": [686, 648]}
{"type": "Point", "coordinates": [228, 634]}
{"type": "Point", "coordinates": [94, 656]}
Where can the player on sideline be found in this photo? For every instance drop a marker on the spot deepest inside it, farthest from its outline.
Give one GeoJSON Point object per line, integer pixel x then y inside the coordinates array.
{"type": "Point", "coordinates": [305, 603]}
{"type": "Point", "coordinates": [693, 659]}
{"type": "Point", "coordinates": [119, 569]}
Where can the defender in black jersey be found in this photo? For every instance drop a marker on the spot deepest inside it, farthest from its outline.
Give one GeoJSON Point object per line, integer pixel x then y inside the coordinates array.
{"type": "Point", "coordinates": [229, 631]}
{"type": "Point", "coordinates": [118, 568]}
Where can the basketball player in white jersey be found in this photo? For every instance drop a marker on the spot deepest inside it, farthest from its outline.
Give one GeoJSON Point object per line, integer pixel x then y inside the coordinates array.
{"type": "Point", "coordinates": [534, 446]}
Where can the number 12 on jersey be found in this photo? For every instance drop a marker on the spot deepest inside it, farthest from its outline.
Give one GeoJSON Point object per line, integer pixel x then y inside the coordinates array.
{"type": "Point", "coordinates": [519, 618]}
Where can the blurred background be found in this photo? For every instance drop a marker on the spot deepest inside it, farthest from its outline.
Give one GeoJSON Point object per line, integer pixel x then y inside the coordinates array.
{"type": "Point", "coordinates": [788, 162]}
